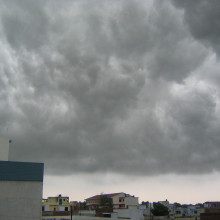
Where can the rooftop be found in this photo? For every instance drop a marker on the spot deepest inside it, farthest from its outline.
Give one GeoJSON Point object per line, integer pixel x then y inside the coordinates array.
{"type": "Point", "coordinates": [108, 195]}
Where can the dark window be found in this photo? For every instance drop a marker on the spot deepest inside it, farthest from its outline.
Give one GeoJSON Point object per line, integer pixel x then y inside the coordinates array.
{"type": "Point", "coordinates": [66, 208]}
{"type": "Point", "coordinates": [121, 206]}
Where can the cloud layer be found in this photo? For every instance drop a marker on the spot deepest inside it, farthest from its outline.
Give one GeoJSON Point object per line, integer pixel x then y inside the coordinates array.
{"type": "Point", "coordinates": [120, 86]}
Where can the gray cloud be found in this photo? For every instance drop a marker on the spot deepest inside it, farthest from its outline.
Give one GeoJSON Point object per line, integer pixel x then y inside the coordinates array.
{"type": "Point", "coordinates": [99, 86]}
{"type": "Point", "coordinates": [203, 18]}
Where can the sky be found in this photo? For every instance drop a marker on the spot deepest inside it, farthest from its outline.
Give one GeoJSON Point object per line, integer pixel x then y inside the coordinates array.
{"type": "Point", "coordinates": [114, 96]}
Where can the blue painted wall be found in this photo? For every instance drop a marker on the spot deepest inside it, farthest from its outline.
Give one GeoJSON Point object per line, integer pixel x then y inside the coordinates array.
{"type": "Point", "coordinates": [21, 171]}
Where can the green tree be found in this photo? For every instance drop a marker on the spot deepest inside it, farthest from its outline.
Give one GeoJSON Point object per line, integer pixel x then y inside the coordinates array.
{"type": "Point", "coordinates": [81, 206]}
{"type": "Point", "coordinates": [145, 203]}
{"type": "Point", "coordinates": [177, 204]}
{"type": "Point", "coordinates": [200, 205]}
{"type": "Point", "coordinates": [159, 209]}
{"type": "Point", "coordinates": [105, 202]}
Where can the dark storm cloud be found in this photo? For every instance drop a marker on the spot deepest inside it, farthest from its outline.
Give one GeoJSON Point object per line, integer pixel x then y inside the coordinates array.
{"type": "Point", "coordinates": [203, 19]}
{"type": "Point", "coordinates": [96, 86]}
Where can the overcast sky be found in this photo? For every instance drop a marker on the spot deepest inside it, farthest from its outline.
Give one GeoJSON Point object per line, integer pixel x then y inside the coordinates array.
{"type": "Point", "coordinates": [114, 95]}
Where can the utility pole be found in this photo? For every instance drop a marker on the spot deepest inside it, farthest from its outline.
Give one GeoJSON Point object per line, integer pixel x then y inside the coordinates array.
{"type": "Point", "coordinates": [71, 212]}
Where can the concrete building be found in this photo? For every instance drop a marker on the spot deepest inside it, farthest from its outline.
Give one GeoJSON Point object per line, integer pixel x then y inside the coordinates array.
{"type": "Point", "coordinates": [181, 212]}
{"type": "Point", "coordinates": [211, 212]}
{"type": "Point", "coordinates": [56, 204]}
{"type": "Point", "coordinates": [133, 212]}
{"type": "Point", "coordinates": [191, 210]}
{"type": "Point", "coordinates": [21, 186]}
{"type": "Point", "coordinates": [4, 148]}
{"type": "Point", "coordinates": [200, 210]}
{"type": "Point", "coordinates": [212, 205]}
{"type": "Point", "coordinates": [119, 200]}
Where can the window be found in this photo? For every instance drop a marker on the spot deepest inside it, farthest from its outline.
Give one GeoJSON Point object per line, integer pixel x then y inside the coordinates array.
{"type": "Point", "coordinates": [121, 206]}
{"type": "Point", "coordinates": [66, 208]}
{"type": "Point", "coordinates": [108, 215]}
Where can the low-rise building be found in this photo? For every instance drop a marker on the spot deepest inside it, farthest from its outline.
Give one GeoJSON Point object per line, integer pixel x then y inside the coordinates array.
{"type": "Point", "coordinates": [132, 212]}
{"type": "Point", "coordinates": [200, 210]}
{"type": "Point", "coordinates": [119, 200]}
{"type": "Point", "coordinates": [212, 205]}
{"type": "Point", "coordinates": [191, 210]}
{"type": "Point", "coordinates": [211, 212]}
{"type": "Point", "coordinates": [180, 211]}
{"type": "Point", "coordinates": [56, 204]}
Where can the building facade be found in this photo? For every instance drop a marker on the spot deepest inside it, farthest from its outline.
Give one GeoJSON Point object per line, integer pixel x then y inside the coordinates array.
{"type": "Point", "coordinates": [4, 148]}
{"type": "Point", "coordinates": [119, 201]}
{"type": "Point", "coordinates": [21, 185]}
{"type": "Point", "coordinates": [211, 212]}
{"type": "Point", "coordinates": [212, 205]}
{"type": "Point", "coordinates": [56, 204]}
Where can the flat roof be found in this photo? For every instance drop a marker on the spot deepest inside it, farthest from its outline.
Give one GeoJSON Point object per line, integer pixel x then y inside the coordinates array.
{"type": "Point", "coordinates": [21, 171]}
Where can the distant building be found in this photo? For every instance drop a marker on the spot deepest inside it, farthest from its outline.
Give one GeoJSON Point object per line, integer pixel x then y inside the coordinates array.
{"type": "Point", "coordinates": [119, 200]}
{"type": "Point", "coordinates": [191, 210]}
{"type": "Point", "coordinates": [56, 204]}
{"type": "Point", "coordinates": [212, 205]}
{"type": "Point", "coordinates": [212, 211]}
{"type": "Point", "coordinates": [200, 210]}
{"type": "Point", "coordinates": [181, 211]}
{"type": "Point", "coordinates": [133, 212]}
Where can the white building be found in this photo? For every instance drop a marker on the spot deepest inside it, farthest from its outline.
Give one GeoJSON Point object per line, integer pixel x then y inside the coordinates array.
{"type": "Point", "coordinates": [181, 211]}
{"type": "Point", "coordinates": [124, 205]}
{"type": "Point", "coordinates": [191, 210]}
{"type": "Point", "coordinates": [133, 212]}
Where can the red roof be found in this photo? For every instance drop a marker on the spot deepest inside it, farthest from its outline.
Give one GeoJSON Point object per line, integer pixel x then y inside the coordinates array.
{"type": "Point", "coordinates": [108, 195]}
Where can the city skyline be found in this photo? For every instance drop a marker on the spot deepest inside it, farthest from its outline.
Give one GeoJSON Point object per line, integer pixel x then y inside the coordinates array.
{"type": "Point", "coordinates": [151, 189]}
